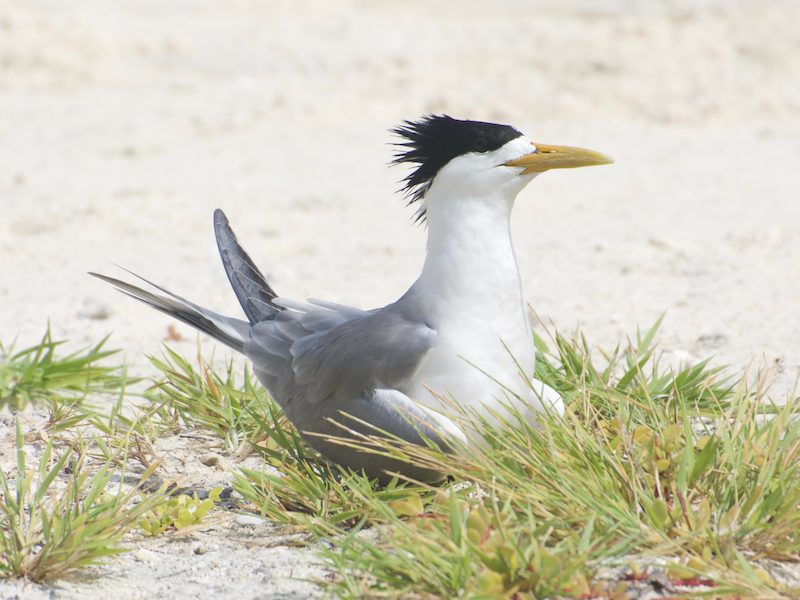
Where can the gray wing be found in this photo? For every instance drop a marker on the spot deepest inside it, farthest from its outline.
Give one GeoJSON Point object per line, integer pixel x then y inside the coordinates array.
{"type": "Point", "coordinates": [255, 295]}
{"type": "Point", "coordinates": [319, 350]}
{"type": "Point", "coordinates": [328, 351]}
{"type": "Point", "coordinates": [380, 350]}
{"type": "Point", "coordinates": [334, 370]}
{"type": "Point", "coordinates": [337, 371]}
{"type": "Point", "coordinates": [381, 413]}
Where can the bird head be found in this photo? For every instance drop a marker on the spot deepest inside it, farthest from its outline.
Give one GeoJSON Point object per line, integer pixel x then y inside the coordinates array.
{"type": "Point", "coordinates": [477, 159]}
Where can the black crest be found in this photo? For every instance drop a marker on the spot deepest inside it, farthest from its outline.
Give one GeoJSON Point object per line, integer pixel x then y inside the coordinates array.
{"type": "Point", "coordinates": [435, 140]}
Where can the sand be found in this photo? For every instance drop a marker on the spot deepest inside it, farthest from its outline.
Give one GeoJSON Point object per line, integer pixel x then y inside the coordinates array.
{"type": "Point", "coordinates": [124, 124]}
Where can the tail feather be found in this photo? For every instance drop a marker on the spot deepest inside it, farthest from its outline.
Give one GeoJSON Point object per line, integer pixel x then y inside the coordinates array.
{"type": "Point", "coordinates": [231, 332]}
{"type": "Point", "coordinates": [252, 290]}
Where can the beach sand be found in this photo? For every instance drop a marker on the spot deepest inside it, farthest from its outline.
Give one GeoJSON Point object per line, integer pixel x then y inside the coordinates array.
{"type": "Point", "coordinates": [124, 124]}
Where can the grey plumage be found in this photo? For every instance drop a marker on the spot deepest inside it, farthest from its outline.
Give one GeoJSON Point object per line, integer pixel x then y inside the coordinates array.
{"type": "Point", "coordinates": [251, 287]}
{"type": "Point", "coordinates": [320, 361]}
{"type": "Point", "coordinates": [231, 332]}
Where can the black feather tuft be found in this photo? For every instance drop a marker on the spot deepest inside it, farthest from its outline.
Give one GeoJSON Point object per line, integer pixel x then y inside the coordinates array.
{"type": "Point", "coordinates": [435, 140]}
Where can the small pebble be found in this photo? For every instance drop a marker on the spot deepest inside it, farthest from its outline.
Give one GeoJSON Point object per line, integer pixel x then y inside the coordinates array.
{"type": "Point", "coordinates": [249, 520]}
{"type": "Point", "coordinates": [205, 548]}
{"type": "Point", "coordinates": [94, 309]}
{"type": "Point", "coordinates": [144, 556]}
{"type": "Point", "coordinates": [210, 460]}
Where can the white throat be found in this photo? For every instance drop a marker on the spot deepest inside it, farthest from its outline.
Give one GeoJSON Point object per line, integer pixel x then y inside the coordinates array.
{"type": "Point", "coordinates": [470, 292]}
{"type": "Point", "coordinates": [470, 256]}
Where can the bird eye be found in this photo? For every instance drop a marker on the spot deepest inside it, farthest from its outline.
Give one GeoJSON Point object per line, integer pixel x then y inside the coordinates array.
{"type": "Point", "coordinates": [481, 145]}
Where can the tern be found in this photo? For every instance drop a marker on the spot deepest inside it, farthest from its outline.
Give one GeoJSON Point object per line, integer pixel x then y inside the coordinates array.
{"type": "Point", "coordinates": [460, 331]}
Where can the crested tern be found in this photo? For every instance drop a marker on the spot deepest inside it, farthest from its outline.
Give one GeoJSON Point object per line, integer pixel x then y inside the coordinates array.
{"type": "Point", "coordinates": [461, 330]}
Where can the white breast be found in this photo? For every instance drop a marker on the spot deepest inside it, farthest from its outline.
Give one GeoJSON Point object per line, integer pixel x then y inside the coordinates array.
{"type": "Point", "coordinates": [470, 291]}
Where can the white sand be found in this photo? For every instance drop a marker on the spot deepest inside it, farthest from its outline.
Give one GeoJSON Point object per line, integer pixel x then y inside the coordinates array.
{"type": "Point", "coordinates": [124, 124]}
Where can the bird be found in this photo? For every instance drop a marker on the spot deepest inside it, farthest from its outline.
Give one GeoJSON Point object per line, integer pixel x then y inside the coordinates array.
{"type": "Point", "coordinates": [461, 331]}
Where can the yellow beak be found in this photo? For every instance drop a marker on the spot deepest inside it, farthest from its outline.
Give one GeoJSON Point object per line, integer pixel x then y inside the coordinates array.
{"type": "Point", "coordinates": [558, 157]}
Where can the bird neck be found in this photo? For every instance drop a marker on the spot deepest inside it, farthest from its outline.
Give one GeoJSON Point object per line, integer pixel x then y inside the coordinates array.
{"type": "Point", "coordinates": [470, 258]}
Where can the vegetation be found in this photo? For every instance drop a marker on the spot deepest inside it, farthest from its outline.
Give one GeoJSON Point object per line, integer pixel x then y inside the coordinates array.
{"type": "Point", "coordinates": [678, 469]}
{"type": "Point", "coordinates": [689, 472]}
{"type": "Point", "coordinates": [49, 527]}
{"type": "Point", "coordinates": [35, 376]}
{"type": "Point", "coordinates": [179, 513]}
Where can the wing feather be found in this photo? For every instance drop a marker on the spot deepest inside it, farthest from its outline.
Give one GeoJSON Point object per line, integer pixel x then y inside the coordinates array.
{"type": "Point", "coordinates": [382, 349]}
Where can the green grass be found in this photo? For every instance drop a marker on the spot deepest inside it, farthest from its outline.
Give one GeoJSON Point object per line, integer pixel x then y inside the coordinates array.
{"type": "Point", "coordinates": [37, 376]}
{"type": "Point", "coordinates": [205, 399]}
{"type": "Point", "coordinates": [63, 513]}
{"type": "Point", "coordinates": [630, 472]}
{"type": "Point", "coordinates": [691, 470]}
{"type": "Point", "coordinates": [48, 529]}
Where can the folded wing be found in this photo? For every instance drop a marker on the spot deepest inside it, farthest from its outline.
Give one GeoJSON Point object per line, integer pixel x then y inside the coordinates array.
{"type": "Point", "coordinates": [334, 370]}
